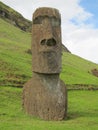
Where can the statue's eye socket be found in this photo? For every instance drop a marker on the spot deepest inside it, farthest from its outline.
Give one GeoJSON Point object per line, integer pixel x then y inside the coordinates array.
{"type": "Point", "coordinates": [55, 22]}
{"type": "Point", "coordinates": [37, 20]}
{"type": "Point", "coordinates": [42, 20]}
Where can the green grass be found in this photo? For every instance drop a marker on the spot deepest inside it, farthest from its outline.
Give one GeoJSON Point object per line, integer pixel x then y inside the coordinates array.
{"type": "Point", "coordinates": [15, 18]}
{"type": "Point", "coordinates": [16, 63]}
{"type": "Point", "coordinates": [16, 69]}
{"type": "Point", "coordinates": [76, 70]}
{"type": "Point", "coordinates": [82, 112]}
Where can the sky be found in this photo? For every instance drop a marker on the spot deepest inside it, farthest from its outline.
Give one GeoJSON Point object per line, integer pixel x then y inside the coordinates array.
{"type": "Point", "coordinates": [79, 22]}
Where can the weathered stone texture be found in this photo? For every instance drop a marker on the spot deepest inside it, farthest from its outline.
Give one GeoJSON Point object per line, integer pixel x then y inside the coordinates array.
{"type": "Point", "coordinates": [45, 95]}
{"type": "Point", "coordinates": [46, 41]}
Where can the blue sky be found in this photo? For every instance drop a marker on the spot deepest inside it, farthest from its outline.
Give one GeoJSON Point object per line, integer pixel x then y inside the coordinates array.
{"type": "Point", "coordinates": [79, 22]}
{"type": "Point", "coordinates": [92, 7]}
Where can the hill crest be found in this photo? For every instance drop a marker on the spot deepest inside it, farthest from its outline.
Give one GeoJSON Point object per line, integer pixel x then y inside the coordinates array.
{"type": "Point", "coordinates": [14, 18]}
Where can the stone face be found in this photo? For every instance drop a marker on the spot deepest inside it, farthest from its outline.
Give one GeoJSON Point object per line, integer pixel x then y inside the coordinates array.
{"type": "Point", "coordinates": [45, 95]}
{"type": "Point", "coordinates": [46, 41]}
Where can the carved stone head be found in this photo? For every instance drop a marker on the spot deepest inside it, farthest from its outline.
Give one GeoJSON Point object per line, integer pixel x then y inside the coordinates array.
{"type": "Point", "coordinates": [46, 41]}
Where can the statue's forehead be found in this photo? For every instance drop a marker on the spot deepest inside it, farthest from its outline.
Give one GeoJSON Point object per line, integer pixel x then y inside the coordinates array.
{"type": "Point", "coordinates": [45, 11]}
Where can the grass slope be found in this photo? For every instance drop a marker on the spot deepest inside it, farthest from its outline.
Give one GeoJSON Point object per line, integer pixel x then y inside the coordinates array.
{"type": "Point", "coordinates": [15, 69]}
{"type": "Point", "coordinates": [15, 62]}
{"type": "Point", "coordinates": [76, 71]}
{"type": "Point", "coordinates": [14, 18]}
{"type": "Point", "coordinates": [82, 112]}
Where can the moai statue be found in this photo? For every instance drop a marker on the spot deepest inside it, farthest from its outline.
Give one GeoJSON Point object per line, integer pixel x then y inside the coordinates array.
{"type": "Point", "coordinates": [45, 95]}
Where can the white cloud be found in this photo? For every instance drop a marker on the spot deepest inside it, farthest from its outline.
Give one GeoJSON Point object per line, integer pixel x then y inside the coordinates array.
{"type": "Point", "coordinates": [81, 38]}
{"type": "Point", "coordinates": [84, 42]}
{"type": "Point", "coordinates": [68, 8]}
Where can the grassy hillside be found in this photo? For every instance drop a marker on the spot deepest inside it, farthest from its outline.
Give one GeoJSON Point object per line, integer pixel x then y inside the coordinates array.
{"type": "Point", "coordinates": [77, 72]}
{"type": "Point", "coordinates": [15, 60]}
{"type": "Point", "coordinates": [82, 114]}
{"type": "Point", "coordinates": [14, 18]}
{"type": "Point", "coordinates": [15, 70]}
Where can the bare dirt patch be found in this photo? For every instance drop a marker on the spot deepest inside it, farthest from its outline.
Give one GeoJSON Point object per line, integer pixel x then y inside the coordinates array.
{"type": "Point", "coordinates": [95, 72]}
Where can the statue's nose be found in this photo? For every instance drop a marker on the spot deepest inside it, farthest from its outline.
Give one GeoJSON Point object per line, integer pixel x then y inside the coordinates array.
{"type": "Point", "coordinates": [48, 42]}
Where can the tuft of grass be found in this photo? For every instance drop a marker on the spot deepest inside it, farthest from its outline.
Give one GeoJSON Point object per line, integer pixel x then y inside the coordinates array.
{"type": "Point", "coordinates": [82, 112]}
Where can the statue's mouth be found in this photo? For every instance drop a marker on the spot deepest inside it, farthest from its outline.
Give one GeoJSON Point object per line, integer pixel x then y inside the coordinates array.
{"type": "Point", "coordinates": [50, 57]}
